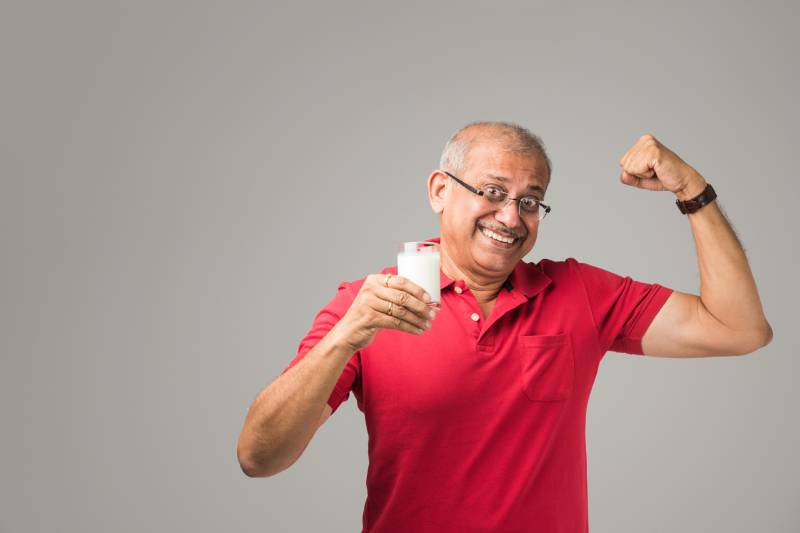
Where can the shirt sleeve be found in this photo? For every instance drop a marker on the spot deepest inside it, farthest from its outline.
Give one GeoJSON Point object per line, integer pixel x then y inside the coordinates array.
{"type": "Point", "coordinates": [326, 318]}
{"type": "Point", "coordinates": [622, 307]}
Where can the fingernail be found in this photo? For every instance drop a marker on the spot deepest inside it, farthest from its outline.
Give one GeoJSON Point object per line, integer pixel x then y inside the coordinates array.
{"type": "Point", "coordinates": [432, 313]}
{"type": "Point", "coordinates": [427, 324]}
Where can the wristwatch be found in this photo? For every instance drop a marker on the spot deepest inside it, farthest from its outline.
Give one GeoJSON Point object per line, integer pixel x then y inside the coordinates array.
{"type": "Point", "coordinates": [690, 206]}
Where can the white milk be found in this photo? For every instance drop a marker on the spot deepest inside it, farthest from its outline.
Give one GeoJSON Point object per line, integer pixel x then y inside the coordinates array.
{"type": "Point", "coordinates": [421, 267]}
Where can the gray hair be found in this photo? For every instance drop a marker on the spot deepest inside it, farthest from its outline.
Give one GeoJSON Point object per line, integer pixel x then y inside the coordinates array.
{"type": "Point", "coordinates": [512, 136]}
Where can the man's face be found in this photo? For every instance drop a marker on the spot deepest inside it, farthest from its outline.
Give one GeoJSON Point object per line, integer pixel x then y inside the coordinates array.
{"type": "Point", "coordinates": [466, 216]}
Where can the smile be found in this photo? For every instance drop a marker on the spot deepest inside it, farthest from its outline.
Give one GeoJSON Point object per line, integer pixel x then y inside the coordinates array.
{"type": "Point", "coordinates": [505, 242]}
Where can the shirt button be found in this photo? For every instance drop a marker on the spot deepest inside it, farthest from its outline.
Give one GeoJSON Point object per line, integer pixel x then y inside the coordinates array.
{"type": "Point", "coordinates": [474, 316]}
{"type": "Point", "coordinates": [458, 290]}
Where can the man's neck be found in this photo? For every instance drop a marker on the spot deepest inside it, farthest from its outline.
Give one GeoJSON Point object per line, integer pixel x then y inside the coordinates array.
{"type": "Point", "coordinates": [485, 289]}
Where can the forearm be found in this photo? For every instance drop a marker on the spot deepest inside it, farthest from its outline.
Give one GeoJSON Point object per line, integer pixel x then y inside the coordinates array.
{"type": "Point", "coordinates": [285, 415]}
{"type": "Point", "coordinates": [727, 288]}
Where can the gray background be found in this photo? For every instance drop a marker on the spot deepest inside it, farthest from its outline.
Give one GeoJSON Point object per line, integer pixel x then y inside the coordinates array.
{"type": "Point", "coordinates": [184, 186]}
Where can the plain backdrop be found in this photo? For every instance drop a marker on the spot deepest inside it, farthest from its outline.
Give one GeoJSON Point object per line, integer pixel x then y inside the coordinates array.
{"type": "Point", "coordinates": [184, 185]}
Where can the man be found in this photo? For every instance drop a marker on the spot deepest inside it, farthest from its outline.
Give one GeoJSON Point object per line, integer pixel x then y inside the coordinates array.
{"type": "Point", "coordinates": [476, 419]}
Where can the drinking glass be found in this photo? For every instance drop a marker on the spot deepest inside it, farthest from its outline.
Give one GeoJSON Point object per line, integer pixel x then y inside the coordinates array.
{"type": "Point", "coordinates": [420, 263]}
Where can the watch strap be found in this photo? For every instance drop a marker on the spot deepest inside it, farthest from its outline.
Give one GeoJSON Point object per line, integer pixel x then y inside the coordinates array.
{"type": "Point", "coordinates": [690, 206]}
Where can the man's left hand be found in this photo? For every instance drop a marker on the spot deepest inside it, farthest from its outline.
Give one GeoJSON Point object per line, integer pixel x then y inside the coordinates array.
{"type": "Point", "coordinates": [650, 165]}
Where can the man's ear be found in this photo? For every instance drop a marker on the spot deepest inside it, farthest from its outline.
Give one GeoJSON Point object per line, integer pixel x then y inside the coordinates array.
{"type": "Point", "coordinates": [437, 190]}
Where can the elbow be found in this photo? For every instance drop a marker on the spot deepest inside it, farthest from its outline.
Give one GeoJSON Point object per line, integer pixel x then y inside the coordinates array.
{"type": "Point", "coordinates": [757, 339]}
{"type": "Point", "coordinates": [255, 464]}
{"type": "Point", "coordinates": [252, 465]}
{"type": "Point", "coordinates": [766, 334]}
{"type": "Point", "coordinates": [250, 468]}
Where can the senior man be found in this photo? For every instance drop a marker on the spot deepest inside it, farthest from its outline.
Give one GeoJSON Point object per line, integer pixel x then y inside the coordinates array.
{"type": "Point", "coordinates": [476, 418]}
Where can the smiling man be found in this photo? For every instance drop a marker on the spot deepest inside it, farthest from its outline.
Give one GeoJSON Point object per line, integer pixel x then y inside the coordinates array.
{"type": "Point", "coordinates": [484, 234]}
{"type": "Point", "coordinates": [476, 416]}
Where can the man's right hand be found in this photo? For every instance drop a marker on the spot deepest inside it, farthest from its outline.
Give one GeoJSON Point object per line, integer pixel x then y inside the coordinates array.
{"type": "Point", "coordinates": [402, 304]}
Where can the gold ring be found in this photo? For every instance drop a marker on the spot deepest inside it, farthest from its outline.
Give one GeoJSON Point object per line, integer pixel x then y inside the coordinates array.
{"type": "Point", "coordinates": [386, 283]}
{"type": "Point", "coordinates": [389, 312]}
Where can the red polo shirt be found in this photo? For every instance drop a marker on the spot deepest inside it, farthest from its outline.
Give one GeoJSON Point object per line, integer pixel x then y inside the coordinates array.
{"type": "Point", "coordinates": [478, 424]}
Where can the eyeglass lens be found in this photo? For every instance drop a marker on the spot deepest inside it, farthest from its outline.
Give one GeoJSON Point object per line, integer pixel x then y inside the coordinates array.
{"type": "Point", "coordinates": [528, 206]}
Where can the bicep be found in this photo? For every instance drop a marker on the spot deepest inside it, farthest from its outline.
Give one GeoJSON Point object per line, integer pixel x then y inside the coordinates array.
{"type": "Point", "coordinates": [683, 327]}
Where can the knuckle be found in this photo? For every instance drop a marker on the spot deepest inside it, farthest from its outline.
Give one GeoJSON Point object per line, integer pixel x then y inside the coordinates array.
{"type": "Point", "coordinates": [396, 321]}
{"type": "Point", "coordinates": [403, 298]}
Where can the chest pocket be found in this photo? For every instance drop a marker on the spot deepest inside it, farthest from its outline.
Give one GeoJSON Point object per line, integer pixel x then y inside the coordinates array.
{"type": "Point", "coordinates": [548, 366]}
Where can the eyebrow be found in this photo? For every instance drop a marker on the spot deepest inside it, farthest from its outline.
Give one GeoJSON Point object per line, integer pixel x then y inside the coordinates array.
{"type": "Point", "coordinates": [504, 179]}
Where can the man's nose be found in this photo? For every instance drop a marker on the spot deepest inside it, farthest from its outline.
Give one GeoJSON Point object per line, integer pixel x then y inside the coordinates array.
{"type": "Point", "coordinates": [509, 215]}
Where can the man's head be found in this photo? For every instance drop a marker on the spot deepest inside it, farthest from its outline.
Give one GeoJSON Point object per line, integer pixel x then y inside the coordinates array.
{"type": "Point", "coordinates": [508, 157]}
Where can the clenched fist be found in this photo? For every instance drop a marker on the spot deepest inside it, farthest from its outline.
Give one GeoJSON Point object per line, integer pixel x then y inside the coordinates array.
{"type": "Point", "coordinates": [650, 165]}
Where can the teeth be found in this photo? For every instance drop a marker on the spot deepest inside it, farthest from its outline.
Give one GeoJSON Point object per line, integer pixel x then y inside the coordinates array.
{"type": "Point", "coordinates": [496, 237]}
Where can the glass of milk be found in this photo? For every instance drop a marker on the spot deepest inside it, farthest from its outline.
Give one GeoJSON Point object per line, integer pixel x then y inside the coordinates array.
{"type": "Point", "coordinates": [420, 263]}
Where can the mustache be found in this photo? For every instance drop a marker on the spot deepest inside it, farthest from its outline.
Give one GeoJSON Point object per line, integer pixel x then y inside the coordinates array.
{"type": "Point", "coordinates": [501, 231]}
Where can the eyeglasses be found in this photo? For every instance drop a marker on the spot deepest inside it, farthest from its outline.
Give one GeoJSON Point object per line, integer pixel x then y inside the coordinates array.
{"type": "Point", "coordinates": [529, 206]}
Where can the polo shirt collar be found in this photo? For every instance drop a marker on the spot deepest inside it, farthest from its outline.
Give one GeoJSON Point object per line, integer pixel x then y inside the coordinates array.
{"type": "Point", "coordinates": [526, 278]}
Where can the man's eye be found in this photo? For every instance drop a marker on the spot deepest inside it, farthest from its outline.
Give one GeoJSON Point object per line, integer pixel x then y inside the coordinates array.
{"type": "Point", "coordinates": [494, 192]}
{"type": "Point", "coordinates": [529, 204]}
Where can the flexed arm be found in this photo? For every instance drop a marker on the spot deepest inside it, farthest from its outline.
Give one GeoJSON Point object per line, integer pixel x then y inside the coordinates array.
{"type": "Point", "coordinates": [727, 318]}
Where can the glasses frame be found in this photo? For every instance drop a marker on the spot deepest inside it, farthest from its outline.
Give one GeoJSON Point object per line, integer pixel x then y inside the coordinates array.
{"type": "Point", "coordinates": [480, 192]}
